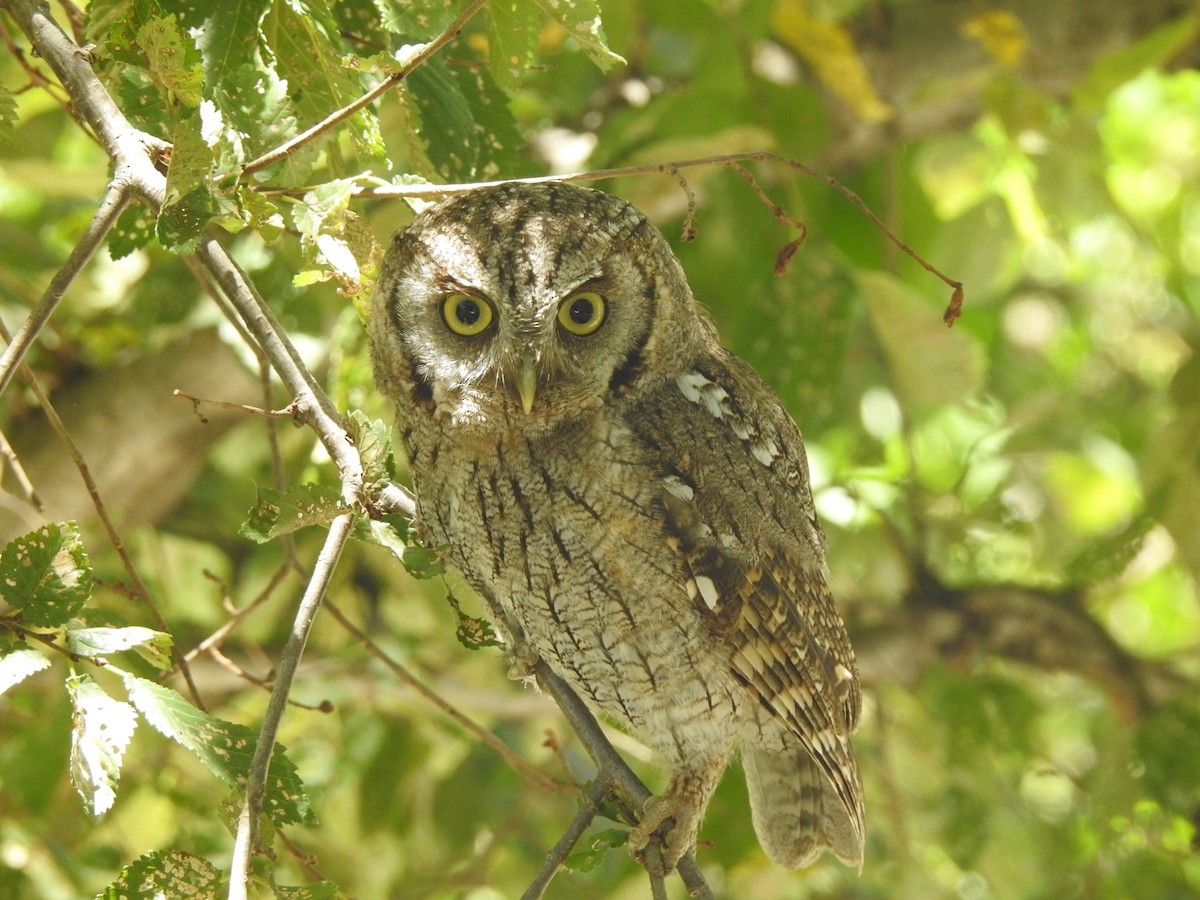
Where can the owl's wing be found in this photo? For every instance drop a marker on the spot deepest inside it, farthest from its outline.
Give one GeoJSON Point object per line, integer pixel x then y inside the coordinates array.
{"type": "Point", "coordinates": [739, 510]}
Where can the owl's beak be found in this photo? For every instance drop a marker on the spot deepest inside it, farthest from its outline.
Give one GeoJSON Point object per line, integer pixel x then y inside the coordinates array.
{"type": "Point", "coordinates": [526, 382]}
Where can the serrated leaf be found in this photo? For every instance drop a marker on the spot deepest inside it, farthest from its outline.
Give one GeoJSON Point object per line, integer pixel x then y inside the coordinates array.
{"type": "Point", "coordinates": [225, 748]}
{"type": "Point", "coordinates": [581, 19]}
{"type": "Point", "coordinates": [373, 437]}
{"type": "Point", "coordinates": [101, 732]}
{"type": "Point", "coordinates": [18, 664]}
{"type": "Point", "coordinates": [323, 207]}
{"type": "Point", "coordinates": [513, 40]}
{"type": "Point", "coordinates": [282, 512]}
{"type": "Point", "coordinates": [473, 633]}
{"type": "Point", "coordinates": [152, 646]}
{"type": "Point", "coordinates": [165, 873]}
{"type": "Point", "coordinates": [134, 230]}
{"type": "Point", "coordinates": [598, 846]}
{"type": "Point", "coordinates": [325, 890]}
{"type": "Point", "coordinates": [173, 60]}
{"type": "Point", "coordinates": [46, 574]}
{"type": "Point", "coordinates": [395, 534]}
{"type": "Point", "coordinates": [450, 135]}
{"type": "Point", "coordinates": [419, 19]}
{"type": "Point", "coordinates": [181, 224]}
{"type": "Point", "coordinates": [191, 159]}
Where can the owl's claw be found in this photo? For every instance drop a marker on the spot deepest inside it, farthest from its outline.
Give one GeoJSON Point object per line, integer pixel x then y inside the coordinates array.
{"type": "Point", "coordinates": [521, 661]}
{"type": "Point", "coordinates": [666, 832]}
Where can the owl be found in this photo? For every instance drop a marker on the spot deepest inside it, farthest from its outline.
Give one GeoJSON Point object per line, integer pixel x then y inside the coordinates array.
{"type": "Point", "coordinates": [629, 497]}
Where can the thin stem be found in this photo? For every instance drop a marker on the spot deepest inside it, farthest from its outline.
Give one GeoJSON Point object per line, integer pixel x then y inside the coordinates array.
{"type": "Point", "coordinates": [289, 660]}
{"type": "Point", "coordinates": [558, 854]}
{"type": "Point", "coordinates": [514, 761]}
{"type": "Point", "coordinates": [18, 470]}
{"type": "Point", "coordinates": [287, 148]}
{"type": "Point", "coordinates": [115, 200]}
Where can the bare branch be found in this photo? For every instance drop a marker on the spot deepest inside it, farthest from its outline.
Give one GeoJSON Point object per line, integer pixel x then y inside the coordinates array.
{"type": "Point", "coordinates": [115, 201]}
{"type": "Point", "coordinates": [14, 463]}
{"type": "Point", "coordinates": [558, 854]}
{"type": "Point", "coordinates": [287, 148]}
{"type": "Point", "coordinates": [289, 660]}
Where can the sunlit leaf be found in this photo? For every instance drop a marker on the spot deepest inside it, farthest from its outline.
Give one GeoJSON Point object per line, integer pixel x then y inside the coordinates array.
{"type": "Point", "coordinates": [598, 846]}
{"type": "Point", "coordinates": [173, 60]}
{"type": "Point", "coordinates": [153, 646]}
{"type": "Point", "coordinates": [225, 748]}
{"type": "Point", "coordinates": [18, 664]}
{"type": "Point", "coordinates": [46, 574]}
{"type": "Point", "coordinates": [8, 116]}
{"type": "Point", "coordinates": [581, 19]}
{"type": "Point", "coordinates": [102, 730]}
{"type": "Point", "coordinates": [282, 512]}
{"type": "Point", "coordinates": [165, 874]}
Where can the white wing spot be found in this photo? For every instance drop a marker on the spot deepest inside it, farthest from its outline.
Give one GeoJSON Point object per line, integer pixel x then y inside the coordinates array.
{"type": "Point", "coordinates": [708, 590]}
{"type": "Point", "coordinates": [709, 394]}
{"type": "Point", "coordinates": [678, 489]}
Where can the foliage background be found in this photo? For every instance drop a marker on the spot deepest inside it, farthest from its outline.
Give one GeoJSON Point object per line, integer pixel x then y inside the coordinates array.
{"type": "Point", "coordinates": [1011, 505]}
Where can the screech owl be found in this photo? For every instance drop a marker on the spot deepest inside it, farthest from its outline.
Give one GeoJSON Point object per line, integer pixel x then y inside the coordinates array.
{"type": "Point", "coordinates": [630, 497]}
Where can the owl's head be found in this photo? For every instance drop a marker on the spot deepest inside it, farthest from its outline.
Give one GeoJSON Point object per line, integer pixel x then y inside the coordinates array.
{"type": "Point", "coordinates": [530, 302]}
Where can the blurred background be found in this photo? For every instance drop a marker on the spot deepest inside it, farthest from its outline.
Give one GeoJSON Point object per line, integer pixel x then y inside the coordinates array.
{"type": "Point", "coordinates": [1012, 504]}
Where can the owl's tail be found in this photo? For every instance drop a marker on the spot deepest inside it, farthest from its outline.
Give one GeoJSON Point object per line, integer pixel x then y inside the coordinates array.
{"type": "Point", "coordinates": [796, 811]}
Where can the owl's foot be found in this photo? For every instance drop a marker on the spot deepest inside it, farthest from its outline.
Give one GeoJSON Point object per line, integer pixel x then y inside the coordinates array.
{"type": "Point", "coordinates": [521, 660]}
{"type": "Point", "coordinates": [666, 832]}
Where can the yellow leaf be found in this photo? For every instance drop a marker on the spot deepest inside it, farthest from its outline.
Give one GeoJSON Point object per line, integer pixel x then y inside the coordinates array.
{"type": "Point", "coordinates": [1001, 35]}
{"type": "Point", "coordinates": [830, 51]}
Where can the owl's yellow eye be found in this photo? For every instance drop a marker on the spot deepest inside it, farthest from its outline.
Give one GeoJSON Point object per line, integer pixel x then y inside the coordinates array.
{"type": "Point", "coordinates": [582, 313]}
{"type": "Point", "coordinates": [466, 315]}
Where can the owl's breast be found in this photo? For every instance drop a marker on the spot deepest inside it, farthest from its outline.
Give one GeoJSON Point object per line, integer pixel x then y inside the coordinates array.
{"type": "Point", "coordinates": [568, 535]}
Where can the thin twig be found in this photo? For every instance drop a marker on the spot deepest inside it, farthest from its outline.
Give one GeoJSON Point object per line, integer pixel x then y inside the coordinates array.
{"type": "Point", "coordinates": [256, 779]}
{"type": "Point", "coordinates": [608, 760]}
{"type": "Point", "coordinates": [18, 470]}
{"type": "Point", "coordinates": [49, 640]}
{"type": "Point", "coordinates": [115, 200]}
{"type": "Point", "coordinates": [287, 148]}
{"type": "Point", "coordinates": [286, 413]}
{"type": "Point", "coordinates": [514, 761]}
{"type": "Point", "coordinates": [237, 616]}
{"type": "Point", "coordinates": [731, 160]}
{"type": "Point", "coordinates": [139, 590]}
{"type": "Point", "coordinates": [590, 804]}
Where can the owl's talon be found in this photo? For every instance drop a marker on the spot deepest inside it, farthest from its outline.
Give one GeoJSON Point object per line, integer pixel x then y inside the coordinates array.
{"type": "Point", "coordinates": [521, 661]}
{"type": "Point", "coordinates": [669, 824]}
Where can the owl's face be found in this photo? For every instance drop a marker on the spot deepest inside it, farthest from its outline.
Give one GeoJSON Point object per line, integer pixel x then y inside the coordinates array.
{"type": "Point", "coordinates": [533, 303]}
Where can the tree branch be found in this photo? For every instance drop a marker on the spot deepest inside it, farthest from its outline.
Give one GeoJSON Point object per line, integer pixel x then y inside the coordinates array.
{"type": "Point", "coordinates": [289, 660]}
{"type": "Point", "coordinates": [287, 148]}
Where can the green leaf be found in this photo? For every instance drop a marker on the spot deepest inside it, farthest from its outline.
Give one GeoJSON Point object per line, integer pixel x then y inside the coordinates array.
{"type": "Point", "coordinates": [395, 534]}
{"type": "Point", "coordinates": [282, 512]}
{"type": "Point", "coordinates": [46, 574]}
{"type": "Point", "coordinates": [373, 437]}
{"type": "Point", "coordinates": [1156, 49]}
{"type": "Point", "coordinates": [174, 62]}
{"type": "Point", "coordinates": [323, 208]}
{"type": "Point", "coordinates": [599, 845]}
{"type": "Point", "coordinates": [581, 19]}
{"type": "Point", "coordinates": [513, 39]}
{"type": "Point", "coordinates": [416, 19]}
{"type": "Point", "coordinates": [225, 748]}
{"type": "Point", "coordinates": [153, 646]}
{"type": "Point", "coordinates": [473, 633]}
{"type": "Point", "coordinates": [449, 133]}
{"type": "Point", "coordinates": [134, 230]}
{"type": "Point", "coordinates": [18, 664]}
{"type": "Point", "coordinates": [102, 730]}
{"type": "Point", "coordinates": [165, 873]}
{"type": "Point", "coordinates": [325, 890]}
{"type": "Point", "coordinates": [180, 225]}
{"type": "Point", "coordinates": [8, 116]}
{"type": "Point", "coordinates": [191, 159]}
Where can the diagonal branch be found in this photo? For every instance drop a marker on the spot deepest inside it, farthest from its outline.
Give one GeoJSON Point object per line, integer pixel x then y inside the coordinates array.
{"type": "Point", "coordinates": [422, 56]}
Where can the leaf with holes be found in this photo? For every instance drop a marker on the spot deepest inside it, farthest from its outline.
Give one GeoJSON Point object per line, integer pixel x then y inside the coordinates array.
{"type": "Point", "coordinates": [18, 664]}
{"type": "Point", "coordinates": [599, 845]}
{"type": "Point", "coordinates": [101, 732]}
{"type": "Point", "coordinates": [153, 646]}
{"type": "Point", "coordinates": [165, 873]}
{"type": "Point", "coordinates": [225, 748]}
{"type": "Point", "coordinates": [46, 574]}
{"type": "Point", "coordinates": [581, 19]}
{"type": "Point", "coordinates": [282, 512]}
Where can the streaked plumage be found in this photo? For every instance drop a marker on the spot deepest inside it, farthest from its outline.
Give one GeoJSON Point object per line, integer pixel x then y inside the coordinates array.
{"type": "Point", "coordinates": [630, 497]}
